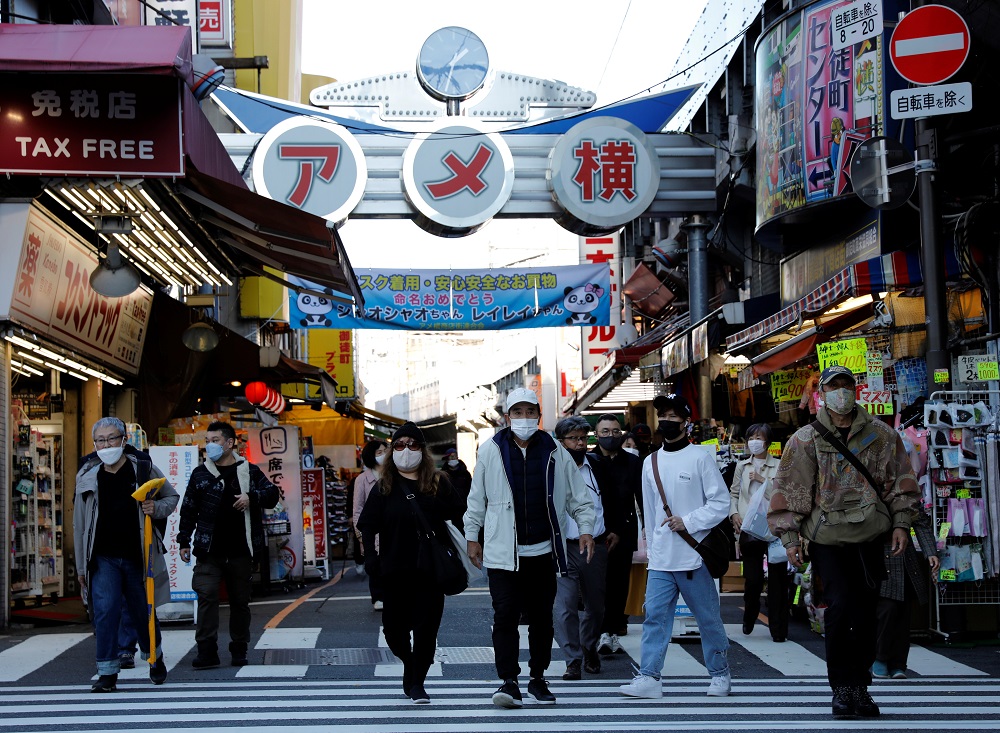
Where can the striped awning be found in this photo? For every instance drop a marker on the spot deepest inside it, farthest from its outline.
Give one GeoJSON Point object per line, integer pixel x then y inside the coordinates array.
{"type": "Point", "coordinates": [896, 270]}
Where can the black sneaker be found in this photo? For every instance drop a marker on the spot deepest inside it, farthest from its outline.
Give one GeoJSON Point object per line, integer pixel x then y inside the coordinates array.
{"type": "Point", "coordinates": [843, 703]}
{"type": "Point", "coordinates": [158, 671]}
{"type": "Point", "coordinates": [864, 706]}
{"type": "Point", "coordinates": [419, 695]}
{"type": "Point", "coordinates": [105, 683]}
{"type": "Point", "coordinates": [508, 696]}
{"type": "Point", "coordinates": [126, 660]}
{"type": "Point", "coordinates": [539, 690]}
{"type": "Point", "coordinates": [206, 661]}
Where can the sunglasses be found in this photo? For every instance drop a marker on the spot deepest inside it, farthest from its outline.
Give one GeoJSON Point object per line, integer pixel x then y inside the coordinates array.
{"type": "Point", "coordinates": [412, 445]}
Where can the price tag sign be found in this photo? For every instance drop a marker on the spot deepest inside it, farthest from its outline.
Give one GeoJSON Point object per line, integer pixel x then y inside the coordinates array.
{"type": "Point", "coordinates": [945, 529]}
{"type": "Point", "coordinates": [774, 450]}
{"type": "Point", "coordinates": [787, 385]}
{"type": "Point", "coordinates": [714, 442]}
{"type": "Point", "coordinates": [948, 575]}
{"type": "Point", "coordinates": [987, 371]}
{"type": "Point", "coordinates": [876, 401]}
{"type": "Point", "coordinates": [968, 367]}
{"type": "Point", "coordinates": [963, 494]}
{"type": "Point", "coordinates": [876, 375]}
{"type": "Point", "coordinates": [850, 353]}
{"type": "Point", "coordinates": [941, 376]}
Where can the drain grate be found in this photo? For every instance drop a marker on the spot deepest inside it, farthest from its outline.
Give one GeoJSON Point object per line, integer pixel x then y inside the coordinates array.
{"type": "Point", "coordinates": [465, 655]}
{"type": "Point", "coordinates": [329, 656]}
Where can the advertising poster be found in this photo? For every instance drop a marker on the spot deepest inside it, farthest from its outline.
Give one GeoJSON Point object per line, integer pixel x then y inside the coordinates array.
{"type": "Point", "coordinates": [275, 451]}
{"type": "Point", "coordinates": [314, 514]}
{"type": "Point", "coordinates": [176, 462]}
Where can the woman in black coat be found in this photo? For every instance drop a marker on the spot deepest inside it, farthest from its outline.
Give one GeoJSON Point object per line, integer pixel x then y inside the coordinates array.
{"type": "Point", "coordinates": [412, 601]}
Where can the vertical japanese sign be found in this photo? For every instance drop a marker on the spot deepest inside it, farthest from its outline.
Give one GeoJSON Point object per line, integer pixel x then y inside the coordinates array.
{"type": "Point", "coordinates": [174, 12]}
{"type": "Point", "coordinates": [176, 463]}
{"type": "Point", "coordinates": [332, 349]}
{"type": "Point", "coordinates": [215, 23]}
{"type": "Point", "coordinates": [275, 451]}
{"type": "Point", "coordinates": [314, 514]}
{"type": "Point", "coordinates": [598, 340]}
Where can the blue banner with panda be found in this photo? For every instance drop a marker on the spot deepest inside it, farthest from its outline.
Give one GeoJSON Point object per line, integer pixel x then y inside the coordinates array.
{"type": "Point", "coordinates": [463, 300]}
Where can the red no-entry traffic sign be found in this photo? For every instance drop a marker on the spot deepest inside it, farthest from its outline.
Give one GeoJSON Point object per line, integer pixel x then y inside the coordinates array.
{"type": "Point", "coordinates": [930, 44]}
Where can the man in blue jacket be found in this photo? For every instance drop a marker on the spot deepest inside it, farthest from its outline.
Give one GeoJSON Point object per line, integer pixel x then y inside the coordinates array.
{"type": "Point", "coordinates": [523, 486]}
{"type": "Point", "coordinates": [223, 506]}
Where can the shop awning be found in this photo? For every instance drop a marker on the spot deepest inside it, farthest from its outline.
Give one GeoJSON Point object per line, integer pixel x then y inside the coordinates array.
{"type": "Point", "coordinates": [804, 344]}
{"type": "Point", "coordinates": [299, 372]}
{"type": "Point", "coordinates": [374, 416]}
{"type": "Point", "coordinates": [899, 269]}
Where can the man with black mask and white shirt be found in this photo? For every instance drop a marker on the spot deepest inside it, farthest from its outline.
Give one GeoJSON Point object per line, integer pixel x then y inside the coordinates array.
{"type": "Point", "coordinates": [523, 487]}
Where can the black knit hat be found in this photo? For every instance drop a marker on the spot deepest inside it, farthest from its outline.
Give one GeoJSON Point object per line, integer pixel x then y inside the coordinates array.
{"type": "Point", "coordinates": [672, 401]}
{"type": "Point", "coordinates": [408, 430]}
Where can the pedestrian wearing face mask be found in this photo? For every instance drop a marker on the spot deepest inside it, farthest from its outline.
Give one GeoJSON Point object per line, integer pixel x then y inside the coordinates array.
{"type": "Point", "coordinates": [413, 603]}
{"type": "Point", "coordinates": [821, 496]}
{"type": "Point", "coordinates": [629, 444]}
{"type": "Point", "coordinates": [752, 473]}
{"type": "Point", "coordinates": [373, 457]}
{"type": "Point", "coordinates": [457, 472]}
{"type": "Point", "coordinates": [620, 471]}
{"type": "Point", "coordinates": [108, 532]}
{"type": "Point", "coordinates": [224, 508]}
{"type": "Point", "coordinates": [523, 487]}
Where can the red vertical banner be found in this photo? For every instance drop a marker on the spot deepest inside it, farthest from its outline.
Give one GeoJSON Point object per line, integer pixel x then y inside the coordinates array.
{"type": "Point", "coordinates": [597, 341]}
{"type": "Point", "coordinates": [313, 494]}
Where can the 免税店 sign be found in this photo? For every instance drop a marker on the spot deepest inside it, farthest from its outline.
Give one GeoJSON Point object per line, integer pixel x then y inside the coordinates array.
{"type": "Point", "coordinates": [102, 125]}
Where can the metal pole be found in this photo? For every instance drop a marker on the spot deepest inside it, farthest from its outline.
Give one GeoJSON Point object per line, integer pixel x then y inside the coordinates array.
{"type": "Point", "coordinates": [696, 227]}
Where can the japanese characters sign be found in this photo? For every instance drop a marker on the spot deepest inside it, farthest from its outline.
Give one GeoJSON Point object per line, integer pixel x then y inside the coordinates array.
{"type": "Point", "coordinates": [850, 353]}
{"type": "Point", "coordinates": [855, 22]}
{"type": "Point", "coordinates": [51, 293]}
{"type": "Point", "coordinates": [876, 401]}
{"type": "Point", "coordinates": [76, 124]}
{"type": "Point", "coordinates": [787, 385]}
{"type": "Point", "coordinates": [174, 12]}
{"type": "Point", "coordinates": [464, 300]}
{"type": "Point", "coordinates": [215, 23]}
{"type": "Point", "coordinates": [314, 513]}
{"type": "Point", "coordinates": [315, 166]}
{"type": "Point", "coordinates": [597, 341]}
{"type": "Point", "coordinates": [604, 172]}
{"type": "Point", "coordinates": [332, 349]}
{"type": "Point", "coordinates": [176, 463]}
{"type": "Point", "coordinates": [943, 99]}
{"type": "Point", "coordinates": [275, 451]}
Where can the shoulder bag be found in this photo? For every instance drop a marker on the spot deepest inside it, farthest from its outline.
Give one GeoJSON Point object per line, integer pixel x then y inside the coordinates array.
{"type": "Point", "coordinates": [440, 561]}
{"type": "Point", "coordinates": [714, 549]}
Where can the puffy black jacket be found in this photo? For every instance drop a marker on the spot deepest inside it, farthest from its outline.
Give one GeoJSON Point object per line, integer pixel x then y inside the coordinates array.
{"type": "Point", "coordinates": [202, 500]}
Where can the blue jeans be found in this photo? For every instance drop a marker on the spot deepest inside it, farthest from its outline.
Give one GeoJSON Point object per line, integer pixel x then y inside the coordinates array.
{"type": "Point", "coordinates": [128, 637]}
{"type": "Point", "coordinates": [702, 596]}
{"type": "Point", "coordinates": [116, 583]}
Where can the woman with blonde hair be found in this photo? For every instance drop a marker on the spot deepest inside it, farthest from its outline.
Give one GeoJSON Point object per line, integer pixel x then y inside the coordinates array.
{"type": "Point", "coordinates": [409, 486]}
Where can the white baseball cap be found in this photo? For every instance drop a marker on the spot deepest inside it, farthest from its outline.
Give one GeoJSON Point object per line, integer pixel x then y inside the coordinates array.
{"type": "Point", "coordinates": [521, 394]}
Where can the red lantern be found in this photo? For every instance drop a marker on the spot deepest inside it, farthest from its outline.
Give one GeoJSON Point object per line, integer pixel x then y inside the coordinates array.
{"type": "Point", "coordinates": [256, 392]}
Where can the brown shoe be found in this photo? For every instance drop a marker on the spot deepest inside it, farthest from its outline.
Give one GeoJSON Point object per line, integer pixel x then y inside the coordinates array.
{"type": "Point", "coordinates": [572, 672]}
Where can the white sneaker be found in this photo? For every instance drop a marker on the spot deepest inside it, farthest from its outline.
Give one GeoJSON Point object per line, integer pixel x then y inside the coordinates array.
{"type": "Point", "coordinates": [377, 606]}
{"type": "Point", "coordinates": [359, 569]}
{"type": "Point", "coordinates": [720, 686]}
{"type": "Point", "coordinates": [616, 647]}
{"type": "Point", "coordinates": [642, 686]}
{"type": "Point", "coordinates": [604, 645]}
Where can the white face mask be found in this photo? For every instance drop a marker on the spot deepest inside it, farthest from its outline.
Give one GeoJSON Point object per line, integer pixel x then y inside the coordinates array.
{"type": "Point", "coordinates": [524, 428]}
{"type": "Point", "coordinates": [840, 400]}
{"type": "Point", "coordinates": [453, 463]}
{"type": "Point", "coordinates": [633, 451]}
{"type": "Point", "coordinates": [380, 459]}
{"type": "Point", "coordinates": [407, 460]}
{"type": "Point", "coordinates": [110, 456]}
{"type": "Point", "coordinates": [756, 446]}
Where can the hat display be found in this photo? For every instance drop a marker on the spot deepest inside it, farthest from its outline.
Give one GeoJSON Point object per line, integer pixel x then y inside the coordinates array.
{"type": "Point", "coordinates": [521, 394]}
{"type": "Point", "coordinates": [408, 430]}
{"type": "Point", "coordinates": [642, 431]}
{"type": "Point", "coordinates": [832, 372]}
{"type": "Point", "coordinates": [672, 401]}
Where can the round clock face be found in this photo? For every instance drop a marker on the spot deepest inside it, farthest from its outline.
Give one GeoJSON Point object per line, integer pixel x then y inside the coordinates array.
{"type": "Point", "coordinates": [452, 63]}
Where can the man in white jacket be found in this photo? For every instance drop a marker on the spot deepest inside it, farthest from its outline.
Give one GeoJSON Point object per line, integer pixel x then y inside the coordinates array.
{"type": "Point", "coordinates": [698, 499]}
{"type": "Point", "coordinates": [523, 487]}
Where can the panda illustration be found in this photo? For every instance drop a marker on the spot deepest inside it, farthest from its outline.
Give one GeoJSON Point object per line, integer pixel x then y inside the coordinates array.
{"type": "Point", "coordinates": [580, 301]}
{"type": "Point", "coordinates": [315, 307]}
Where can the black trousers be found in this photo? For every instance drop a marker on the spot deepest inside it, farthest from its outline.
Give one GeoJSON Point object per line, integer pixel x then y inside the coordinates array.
{"type": "Point", "coordinates": [411, 603]}
{"type": "Point", "coordinates": [753, 552]}
{"type": "Point", "coordinates": [208, 573]}
{"type": "Point", "coordinates": [850, 575]}
{"type": "Point", "coordinates": [531, 588]}
{"type": "Point", "coordinates": [616, 591]}
{"type": "Point", "coordinates": [894, 629]}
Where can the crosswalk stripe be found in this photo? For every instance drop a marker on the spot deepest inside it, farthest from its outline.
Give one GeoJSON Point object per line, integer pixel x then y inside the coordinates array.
{"type": "Point", "coordinates": [925, 662]}
{"type": "Point", "coordinates": [787, 658]}
{"type": "Point", "coordinates": [289, 638]}
{"type": "Point", "coordinates": [35, 652]}
{"type": "Point", "coordinates": [175, 646]}
{"type": "Point", "coordinates": [678, 662]}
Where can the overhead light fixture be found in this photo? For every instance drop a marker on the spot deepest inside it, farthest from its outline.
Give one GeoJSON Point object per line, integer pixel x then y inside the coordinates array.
{"type": "Point", "coordinates": [114, 277]}
{"type": "Point", "coordinates": [200, 337]}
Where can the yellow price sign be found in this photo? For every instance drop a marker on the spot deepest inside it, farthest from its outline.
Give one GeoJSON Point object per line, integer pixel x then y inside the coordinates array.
{"type": "Point", "coordinates": [963, 494]}
{"type": "Point", "coordinates": [945, 529]}
{"type": "Point", "coordinates": [988, 371]}
{"type": "Point", "coordinates": [787, 385]}
{"type": "Point", "coordinates": [948, 575]}
{"type": "Point", "coordinates": [713, 442]}
{"type": "Point", "coordinates": [774, 449]}
{"type": "Point", "coordinates": [850, 353]}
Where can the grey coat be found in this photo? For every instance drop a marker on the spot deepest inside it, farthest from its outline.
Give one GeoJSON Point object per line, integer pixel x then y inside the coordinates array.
{"type": "Point", "coordinates": [85, 518]}
{"type": "Point", "coordinates": [910, 564]}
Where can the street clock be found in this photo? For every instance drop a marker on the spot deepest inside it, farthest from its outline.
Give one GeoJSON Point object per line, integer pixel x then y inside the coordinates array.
{"type": "Point", "coordinates": [452, 64]}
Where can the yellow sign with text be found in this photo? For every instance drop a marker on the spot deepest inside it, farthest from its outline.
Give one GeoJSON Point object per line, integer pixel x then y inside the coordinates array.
{"type": "Point", "coordinates": [332, 349]}
{"type": "Point", "coordinates": [988, 371]}
{"type": "Point", "coordinates": [850, 353]}
{"type": "Point", "coordinates": [787, 385]}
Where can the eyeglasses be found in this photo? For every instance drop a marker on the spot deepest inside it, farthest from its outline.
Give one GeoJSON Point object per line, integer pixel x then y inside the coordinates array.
{"type": "Point", "coordinates": [576, 438]}
{"type": "Point", "coordinates": [412, 445]}
{"type": "Point", "coordinates": [609, 433]}
{"type": "Point", "coordinates": [111, 441]}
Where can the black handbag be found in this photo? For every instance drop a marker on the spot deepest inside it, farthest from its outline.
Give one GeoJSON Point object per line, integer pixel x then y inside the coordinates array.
{"type": "Point", "coordinates": [714, 548]}
{"type": "Point", "coordinates": [436, 559]}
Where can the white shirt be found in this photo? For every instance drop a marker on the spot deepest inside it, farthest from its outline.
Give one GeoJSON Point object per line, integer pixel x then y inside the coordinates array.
{"type": "Point", "coordinates": [587, 474]}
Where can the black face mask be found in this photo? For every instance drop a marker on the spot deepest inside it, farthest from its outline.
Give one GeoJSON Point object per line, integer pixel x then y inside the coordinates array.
{"type": "Point", "coordinates": [578, 455]}
{"type": "Point", "coordinates": [670, 430]}
{"type": "Point", "coordinates": [611, 443]}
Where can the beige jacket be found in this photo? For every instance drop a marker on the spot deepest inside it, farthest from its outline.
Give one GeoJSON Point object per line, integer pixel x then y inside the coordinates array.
{"type": "Point", "coordinates": [739, 491]}
{"type": "Point", "coordinates": [813, 474]}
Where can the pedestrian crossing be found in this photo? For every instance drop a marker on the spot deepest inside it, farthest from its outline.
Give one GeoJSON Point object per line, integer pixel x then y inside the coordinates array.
{"type": "Point", "coordinates": [464, 706]}
{"type": "Point", "coordinates": [295, 653]}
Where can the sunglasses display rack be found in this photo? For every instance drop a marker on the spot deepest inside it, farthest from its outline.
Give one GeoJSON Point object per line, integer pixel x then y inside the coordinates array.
{"type": "Point", "coordinates": [964, 470]}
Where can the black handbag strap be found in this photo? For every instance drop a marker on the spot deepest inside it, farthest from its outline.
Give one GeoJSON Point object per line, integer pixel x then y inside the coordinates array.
{"type": "Point", "coordinates": [833, 439]}
{"type": "Point", "coordinates": [684, 534]}
{"type": "Point", "coordinates": [424, 525]}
